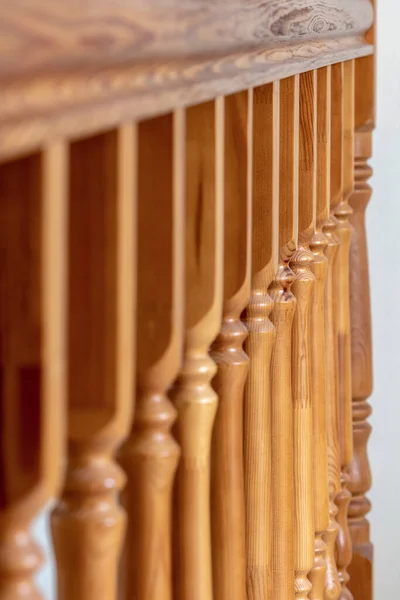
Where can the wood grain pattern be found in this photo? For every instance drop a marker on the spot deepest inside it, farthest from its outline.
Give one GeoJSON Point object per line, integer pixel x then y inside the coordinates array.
{"type": "Point", "coordinates": [34, 108]}
{"type": "Point", "coordinates": [302, 288]}
{"type": "Point", "coordinates": [342, 212]}
{"type": "Point", "coordinates": [324, 576]}
{"type": "Point", "coordinates": [40, 35]}
{"type": "Point", "coordinates": [360, 569]}
{"type": "Point", "coordinates": [150, 454]}
{"type": "Point", "coordinates": [100, 371]}
{"type": "Point", "coordinates": [227, 479]}
{"type": "Point", "coordinates": [257, 422]}
{"type": "Point", "coordinates": [192, 394]}
{"type": "Point", "coordinates": [32, 357]}
{"type": "Point", "coordinates": [333, 584]}
{"type": "Point", "coordinates": [282, 493]}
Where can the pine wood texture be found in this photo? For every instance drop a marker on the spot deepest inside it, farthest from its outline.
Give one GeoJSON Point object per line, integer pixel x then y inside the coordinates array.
{"type": "Point", "coordinates": [33, 254]}
{"type": "Point", "coordinates": [342, 211]}
{"type": "Point", "coordinates": [302, 288]}
{"type": "Point", "coordinates": [282, 491]}
{"type": "Point", "coordinates": [73, 103]}
{"type": "Point", "coordinates": [150, 454]}
{"type": "Point", "coordinates": [333, 584]}
{"type": "Point", "coordinates": [227, 479]}
{"type": "Point", "coordinates": [100, 371]}
{"type": "Point", "coordinates": [76, 36]}
{"type": "Point", "coordinates": [192, 394]}
{"type": "Point", "coordinates": [257, 421]}
{"type": "Point", "coordinates": [360, 570]}
{"type": "Point", "coordinates": [323, 560]}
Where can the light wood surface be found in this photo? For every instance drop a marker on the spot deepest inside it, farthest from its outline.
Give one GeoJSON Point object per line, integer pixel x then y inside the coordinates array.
{"type": "Point", "coordinates": [33, 357]}
{"type": "Point", "coordinates": [227, 478]}
{"type": "Point", "coordinates": [192, 394]}
{"type": "Point", "coordinates": [35, 109]}
{"type": "Point", "coordinates": [333, 585]}
{"type": "Point", "coordinates": [342, 212]}
{"type": "Point", "coordinates": [318, 243]}
{"type": "Point", "coordinates": [257, 422]}
{"type": "Point", "coordinates": [150, 454]}
{"type": "Point", "coordinates": [100, 373]}
{"type": "Point", "coordinates": [185, 334]}
{"type": "Point", "coordinates": [282, 492]}
{"type": "Point", "coordinates": [303, 288]}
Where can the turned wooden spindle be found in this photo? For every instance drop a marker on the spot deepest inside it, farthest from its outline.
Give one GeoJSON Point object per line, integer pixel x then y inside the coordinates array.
{"type": "Point", "coordinates": [324, 576]}
{"type": "Point", "coordinates": [88, 523]}
{"type": "Point", "coordinates": [302, 288]}
{"type": "Point", "coordinates": [150, 454]}
{"type": "Point", "coordinates": [282, 318]}
{"type": "Point", "coordinates": [257, 410]}
{"type": "Point", "coordinates": [227, 483]}
{"type": "Point", "coordinates": [192, 394]}
{"type": "Point", "coordinates": [360, 569]}
{"type": "Point", "coordinates": [342, 212]}
{"type": "Point", "coordinates": [33, 253]}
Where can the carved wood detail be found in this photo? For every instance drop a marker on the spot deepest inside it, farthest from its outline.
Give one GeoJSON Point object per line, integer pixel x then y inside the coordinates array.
{"type": "Point", "coordinates": [257, 422]}
{"type": "Point", "coordinates": [100, 369]}
{"type": "Point", "coordinates": [227, 478]}
{"type": "Point", "coordinates": [150, 454]}
{"type": "Point", "coordinates": [282, 491]}
{"type": "Point", "coordinates": [192, 394]}
{"type": "Point", "coordinates": [33, 252]}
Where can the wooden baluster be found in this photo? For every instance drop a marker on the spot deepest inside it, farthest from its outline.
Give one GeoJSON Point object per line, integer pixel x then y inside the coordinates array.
{"type": "Point", "coordinates": [150, 454]}
{"type": "Point", "coordinates": [332, 590]}
{"type": "Point", "coordinates": [193, 396]}
{"type": "Point", "coordinates": [88, 523]}
{"type": "Point", "coordinates": [340, 208]}
{"type": "Point", "coordinates": [227, 483]}
{"type": "Point", "coordinates": [257, 423]}
{"type": "Point", "coordinates": [324, 576]}
{"type": "Point", "coordinates": [342, 211]}
{"type": "Point", "coordinates": [32, 357]}
{"type": "Point", "coordinates": [282, 318]}
{"type": "Point", "coordinates": [302, 288]}
{"type": "Point", "coordinates": [360, 569]}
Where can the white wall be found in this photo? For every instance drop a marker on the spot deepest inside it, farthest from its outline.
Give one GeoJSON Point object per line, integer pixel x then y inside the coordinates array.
{"type": "Point", "coordinates": [383, 222]}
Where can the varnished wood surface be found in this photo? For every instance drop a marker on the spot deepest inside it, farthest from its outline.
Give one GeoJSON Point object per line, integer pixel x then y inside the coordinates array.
{"type": "Point", "coordinates": [192, 394]}
{"type": "Point", "coordinates": [33, 204]}
{"type": "Point", "coordinates": [43, 35]}
{"type": "Point", "coordinates": [100, 365]}
{"type": "Point", "coordinates": [37, 107]}
{"type": "Point", "coordinates": [150, 454]}
{"type": "Point", "coordinates": [227, 479]}
{"type": "Point", "coordinates": [257, 422]}
{"type": "Point", "coordinates": [286, 224]}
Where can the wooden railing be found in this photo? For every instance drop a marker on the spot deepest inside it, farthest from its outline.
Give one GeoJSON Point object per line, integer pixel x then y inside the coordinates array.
{"type": "Point", "coordinates": [185, 337]}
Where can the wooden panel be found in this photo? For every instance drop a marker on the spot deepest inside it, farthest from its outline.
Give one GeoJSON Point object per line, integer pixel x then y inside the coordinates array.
{"type": "Point", "coordinates": [88, 523]}
{"type": "Point", "coordinates": [41, 35]}
{"type": "Point", "coordinates": [282, 318]}
{"type": "Point", "coordinates": [192, 394]}
{"type": "Point", "coordinates": [227, 483]}
{"type": "Point", "coordinates": [32, 356]}
{"type": "Point", "coordinates": [324, 575]}
{"type": "Point", "coordinates": [257, 423]}
{"type": "Point", "coordinates": [302, 288]}
{"type": "Point", "coordinates": [150, 454]}
{"type": "Point", "coordinates": [74, 103]}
